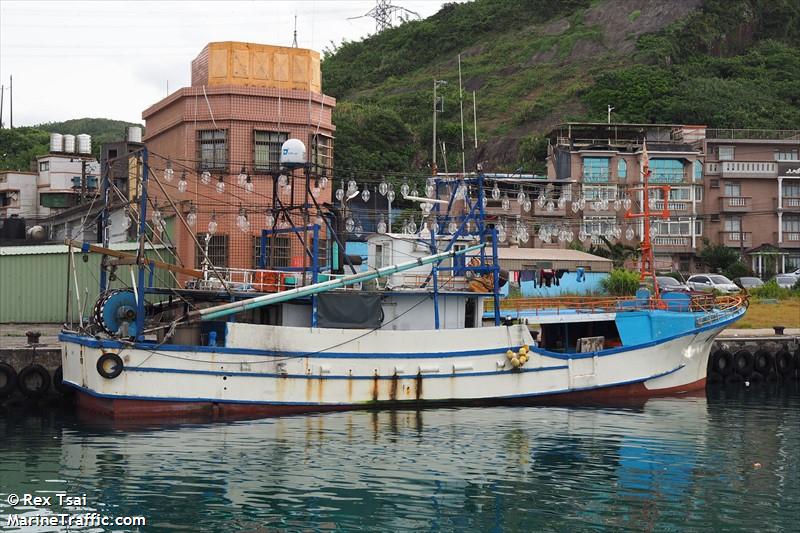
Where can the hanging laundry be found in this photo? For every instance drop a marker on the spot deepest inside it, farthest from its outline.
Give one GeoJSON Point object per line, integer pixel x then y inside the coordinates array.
{"type": "Point", "coordinates": [547, 277]}
{"type": "Point", "coordinates": [560, 273]}
{"type": "Point", "coordinates": [581, 274]}
{"type": "Point", "coordinates": [526, 275]}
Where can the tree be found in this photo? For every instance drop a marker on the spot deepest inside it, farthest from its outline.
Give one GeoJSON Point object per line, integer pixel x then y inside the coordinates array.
{"type": "Point", "coordinates": [718, 257]}
{"type": "Point", "coordinates": [618, 253]}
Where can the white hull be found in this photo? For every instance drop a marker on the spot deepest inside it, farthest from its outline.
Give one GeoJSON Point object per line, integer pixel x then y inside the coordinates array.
{"type": "Point", "coordinates": [334, 369]}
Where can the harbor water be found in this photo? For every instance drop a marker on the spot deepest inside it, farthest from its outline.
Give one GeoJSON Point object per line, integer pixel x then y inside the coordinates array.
{"type": "Point", "coordinates": [725, 461]}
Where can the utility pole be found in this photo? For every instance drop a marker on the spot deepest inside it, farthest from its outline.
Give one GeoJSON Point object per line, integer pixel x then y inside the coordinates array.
{"type": "Point", "coordinates": [2, 93]}
{"type": "Point", "coordinates": [84, 187]}
{"type": "Point", "coordinates": [436, 83]}
{"type": "Point", "coordinates": [461, 107]}
{"type": "Point", "coordinates": [11, 100]}
{"type": "Point", "coordinates": [610, 109]}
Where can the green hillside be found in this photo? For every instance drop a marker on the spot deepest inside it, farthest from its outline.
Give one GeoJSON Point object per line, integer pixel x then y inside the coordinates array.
{"type": "Point", "coordinates": [20, 146]}
{"type": "Point", "coordinates": [535, 63]}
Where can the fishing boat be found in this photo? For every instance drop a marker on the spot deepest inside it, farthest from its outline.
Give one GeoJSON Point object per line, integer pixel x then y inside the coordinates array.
{"type": "Point", "coordinates": [422, 325]}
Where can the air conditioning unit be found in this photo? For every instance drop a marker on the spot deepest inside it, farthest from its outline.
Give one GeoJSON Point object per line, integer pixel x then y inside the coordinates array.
{"type": "Point", "coordinates": [715, 184]}
{"type": "Point", "coordinates": [714, 218]}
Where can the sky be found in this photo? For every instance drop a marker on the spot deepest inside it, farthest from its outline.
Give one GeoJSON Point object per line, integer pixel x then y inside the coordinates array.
{"type": "Point", "coordinates": [113, 59]}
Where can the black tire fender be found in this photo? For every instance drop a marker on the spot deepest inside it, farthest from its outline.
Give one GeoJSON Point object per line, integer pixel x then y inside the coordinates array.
{"type": "Point", "coordinates": [743, 363]}
{"type": "Point", "coordinates": [58, 382]}
{"type": "Point", "coordinates": [762, 362]}
{"type": "Point", "coordinates": [784, 363]}
{"type": "Point", "coordinates": [9, 381]}
{"type": "Point", "coordinates": [27, 387]}
{"type": "Point", "coordinates": [723, 362]}
{"type": "Point", "coordinates": [110, 365]}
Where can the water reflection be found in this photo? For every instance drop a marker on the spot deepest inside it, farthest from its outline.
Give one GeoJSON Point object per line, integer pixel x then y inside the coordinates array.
{"type": "Point", "coordinates": [729, 461]}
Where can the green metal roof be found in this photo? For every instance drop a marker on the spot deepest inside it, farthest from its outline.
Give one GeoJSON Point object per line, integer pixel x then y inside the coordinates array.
{"type": "Point", "coordinates": [41, 249]}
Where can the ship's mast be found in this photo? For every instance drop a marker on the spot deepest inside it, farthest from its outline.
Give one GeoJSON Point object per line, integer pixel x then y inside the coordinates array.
{"type": "Point", "coordinates": [648, 269]}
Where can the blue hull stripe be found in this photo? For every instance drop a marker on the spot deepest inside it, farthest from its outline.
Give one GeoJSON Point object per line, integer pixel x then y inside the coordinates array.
{"type": "Point", "coordinates": [92, 342]}
{"type": "Point", "coordinates": [313, 404]}
{"type": "Point", "coordinates": [341, 376]}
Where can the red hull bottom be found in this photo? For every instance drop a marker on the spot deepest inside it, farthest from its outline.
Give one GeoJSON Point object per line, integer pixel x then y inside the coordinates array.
{"type": "Point", "coordinates": [126, 409]}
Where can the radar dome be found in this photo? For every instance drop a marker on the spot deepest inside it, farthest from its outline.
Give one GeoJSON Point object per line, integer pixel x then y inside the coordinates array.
{"type": "Point", "coordinates": [293, 153]}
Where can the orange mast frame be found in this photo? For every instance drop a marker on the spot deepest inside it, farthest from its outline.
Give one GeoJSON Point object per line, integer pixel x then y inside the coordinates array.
{"type": "Point", "coordinates": [648, 262]}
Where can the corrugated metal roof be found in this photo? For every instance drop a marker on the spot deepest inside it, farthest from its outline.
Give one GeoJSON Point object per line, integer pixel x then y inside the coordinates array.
{"type": "Point", "coordinates": [41, 249]}
{"type": "Point", "coordinates": [549, 254]}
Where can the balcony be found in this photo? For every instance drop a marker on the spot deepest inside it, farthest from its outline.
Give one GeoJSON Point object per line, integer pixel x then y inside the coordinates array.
{"type": "Point", "coordinates": [674, 207]}
{"type": "Point", "coordinates": [736, 239]}
{"type": "Point", "coordinates": [749, 169]}
{"type": "Point", "coordinates": [596, 177]}
{"type": "Point", "coordinates": [672, 244]}
{"type": "Point", "coordinates": [712, 169]}
{"type": "Point", "coordinates": [736, 204]}
{"type": "Point", "coordinates": [791, 202]}
{"type": "Point", "coordinates": [791, 237]}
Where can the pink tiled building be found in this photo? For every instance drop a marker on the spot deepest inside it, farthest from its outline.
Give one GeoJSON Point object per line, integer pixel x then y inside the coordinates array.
{"type": "Point", "coordinates": [244, 102]}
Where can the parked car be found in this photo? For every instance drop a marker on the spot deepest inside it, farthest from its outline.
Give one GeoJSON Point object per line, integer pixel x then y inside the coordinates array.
{"type": "Point", "coordinates": [786, 281]}
{"type": "Point", "coordinates": [669, 284]}
{"type": "Point", "coordinates": [748, 282]}
{"type": "Point", "coordinates": [709, 282]}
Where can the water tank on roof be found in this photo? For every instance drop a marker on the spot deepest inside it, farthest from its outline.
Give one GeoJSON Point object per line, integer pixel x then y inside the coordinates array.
{"type": "Point", "coordinates": [56, 142]}
{"type": "Point", "coordinates": [69, 144]}
{"type": "Point", "coordinates": [84, 144]}
{"type": "Point", "coordinates": [293, 153]}
{"type": "Point", "coordinates": [134, 134]}
{"type": "Point", "coordinates": [14, 228]}
{"type": "Point", "coordinates": [36, 233]}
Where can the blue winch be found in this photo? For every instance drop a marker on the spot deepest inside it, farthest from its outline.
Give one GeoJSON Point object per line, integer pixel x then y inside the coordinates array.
{"type": "Point", "coordinates": [115, 312]}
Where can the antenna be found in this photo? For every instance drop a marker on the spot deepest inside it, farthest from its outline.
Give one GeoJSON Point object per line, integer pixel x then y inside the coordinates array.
{"type": "Point", "coordinates": [384, 13]}
{"type": "Point", "coordinates": [294, 42]}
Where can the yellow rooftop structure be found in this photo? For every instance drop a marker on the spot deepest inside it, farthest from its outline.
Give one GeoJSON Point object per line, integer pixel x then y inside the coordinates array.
{"type": "Point", "coordinates": [257, 65]}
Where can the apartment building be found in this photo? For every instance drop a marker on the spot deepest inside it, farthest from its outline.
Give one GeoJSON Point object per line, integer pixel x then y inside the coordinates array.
{"type": "Point", "coordinates": [740, 188]}
{"type": "Point", "coordinates": [598, 167]}
{"type": "Point", "coordinates": [752, 182]}
{"type": "Point", "coordinates": [244, 101]}
{"type": "Point", "coordinates": [60, 181]}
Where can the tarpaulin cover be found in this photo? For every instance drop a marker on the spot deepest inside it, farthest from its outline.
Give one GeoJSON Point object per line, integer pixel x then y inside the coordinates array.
{"type": "Point", "coordinates": [349, 310]}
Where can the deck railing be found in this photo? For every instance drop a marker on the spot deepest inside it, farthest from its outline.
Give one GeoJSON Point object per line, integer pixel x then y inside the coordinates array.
{"type": "Point", "coordinates": [714, 308]}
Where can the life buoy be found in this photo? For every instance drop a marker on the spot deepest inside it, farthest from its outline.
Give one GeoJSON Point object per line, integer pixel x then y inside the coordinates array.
{"type": "Point", "coordinates": [58, 382]}
{"type": "Point", "coordinates": [8, 379]}
{"type": "Point", "coordinates": [762, 362]}
{"type": "Point", "coordinates": [109, 365]}
{"type": "Point", "coordinates": [34, 381]}
{"type": "Point", "coordinates": [743, 363]}
{"type": "Point", "coordinates": [784, 363]}
{"type": "Point", "coordinates": [723, 362]}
